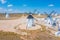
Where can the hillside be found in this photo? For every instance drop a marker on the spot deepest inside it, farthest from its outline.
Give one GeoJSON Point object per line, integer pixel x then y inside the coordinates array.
{"type": "Point", "coordinates": [9, 36]}
{"type": "Point", "coordinates": [41, 35]}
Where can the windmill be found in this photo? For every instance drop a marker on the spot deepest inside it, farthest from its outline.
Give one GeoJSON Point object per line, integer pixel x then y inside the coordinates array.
{"type": "Point", "coordinates": [8, 9]}
{"type": "Point", "coordinates": [49, 18]}
{"type": "Point", "coordinates": [38, 13]}
{"type": "Point", "coordinates": [30, 19]}
{"type": "Point", "coordinates": [58, 32]}
{"type": "Point", "coordinates": [7, 15]}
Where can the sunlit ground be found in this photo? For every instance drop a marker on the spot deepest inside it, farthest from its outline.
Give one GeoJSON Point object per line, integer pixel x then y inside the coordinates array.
{"type": "Point", "coordinates": [15, 28]}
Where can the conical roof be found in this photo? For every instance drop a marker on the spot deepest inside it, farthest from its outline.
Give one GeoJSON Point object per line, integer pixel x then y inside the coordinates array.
{"type": "Point", "coordinates": [30, 17]}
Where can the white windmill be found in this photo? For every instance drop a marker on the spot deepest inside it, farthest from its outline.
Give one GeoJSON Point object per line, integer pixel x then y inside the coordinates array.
{"type": "Point", "coordinates": [7, 12]}
{"type": "Point", "coordinates": [49, 18]}
{"type": "Point", "coordinates": [58, 32]}
{"type": "Point", "coordinates": [30, 19]}
{"type": "Point", "coordinates": [7, 15]}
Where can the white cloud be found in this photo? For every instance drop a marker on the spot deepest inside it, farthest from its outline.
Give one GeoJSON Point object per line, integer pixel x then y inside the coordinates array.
{"type": "Point", "coordinates": [10, 5]}
{"type": "Point", "coordinates": [24, 5]}
{"type": "Point", "coordinates": [3, 1]}
{"type": "Point", "coordinates": [51, 5]}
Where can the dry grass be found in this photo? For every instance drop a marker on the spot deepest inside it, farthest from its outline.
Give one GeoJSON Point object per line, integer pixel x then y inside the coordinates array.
{"type": "Point", "coordinates": [40, 35]}
{"type": "Point", "coordinates": [9, 36]}
{"type": "Point", "coordinates": [11, 16]}
{"type": "Point", "coordinates": [31, 34]}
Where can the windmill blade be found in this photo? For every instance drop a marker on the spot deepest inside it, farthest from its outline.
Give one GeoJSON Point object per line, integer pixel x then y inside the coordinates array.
{"type": "Point", "coordinates": [38, 12]}
{"type": "Point", "coordinates": [34, 11]}
{"type": "Point", "coordinates": [52, 12]}
{"type": "Point", "coordinates": [30, 13]}
{"type": "Point", "coordinates": [55, 13]}
{"type": "Point", "coordinates": [46, 13]}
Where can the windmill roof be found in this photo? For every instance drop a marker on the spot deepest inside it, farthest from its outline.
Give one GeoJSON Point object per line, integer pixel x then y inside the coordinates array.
{"type": "Point", "coordinates": [30, 17]}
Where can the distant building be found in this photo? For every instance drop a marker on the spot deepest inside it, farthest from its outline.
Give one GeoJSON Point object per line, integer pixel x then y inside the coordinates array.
{"type": "Point", "coordinates": [30, 21]}
{"type": "Point", "coordinates": [6, 15]}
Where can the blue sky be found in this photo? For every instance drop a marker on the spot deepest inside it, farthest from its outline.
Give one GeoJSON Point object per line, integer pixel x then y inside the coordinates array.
{"type": "Point", "coordinates": [29, 5]}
